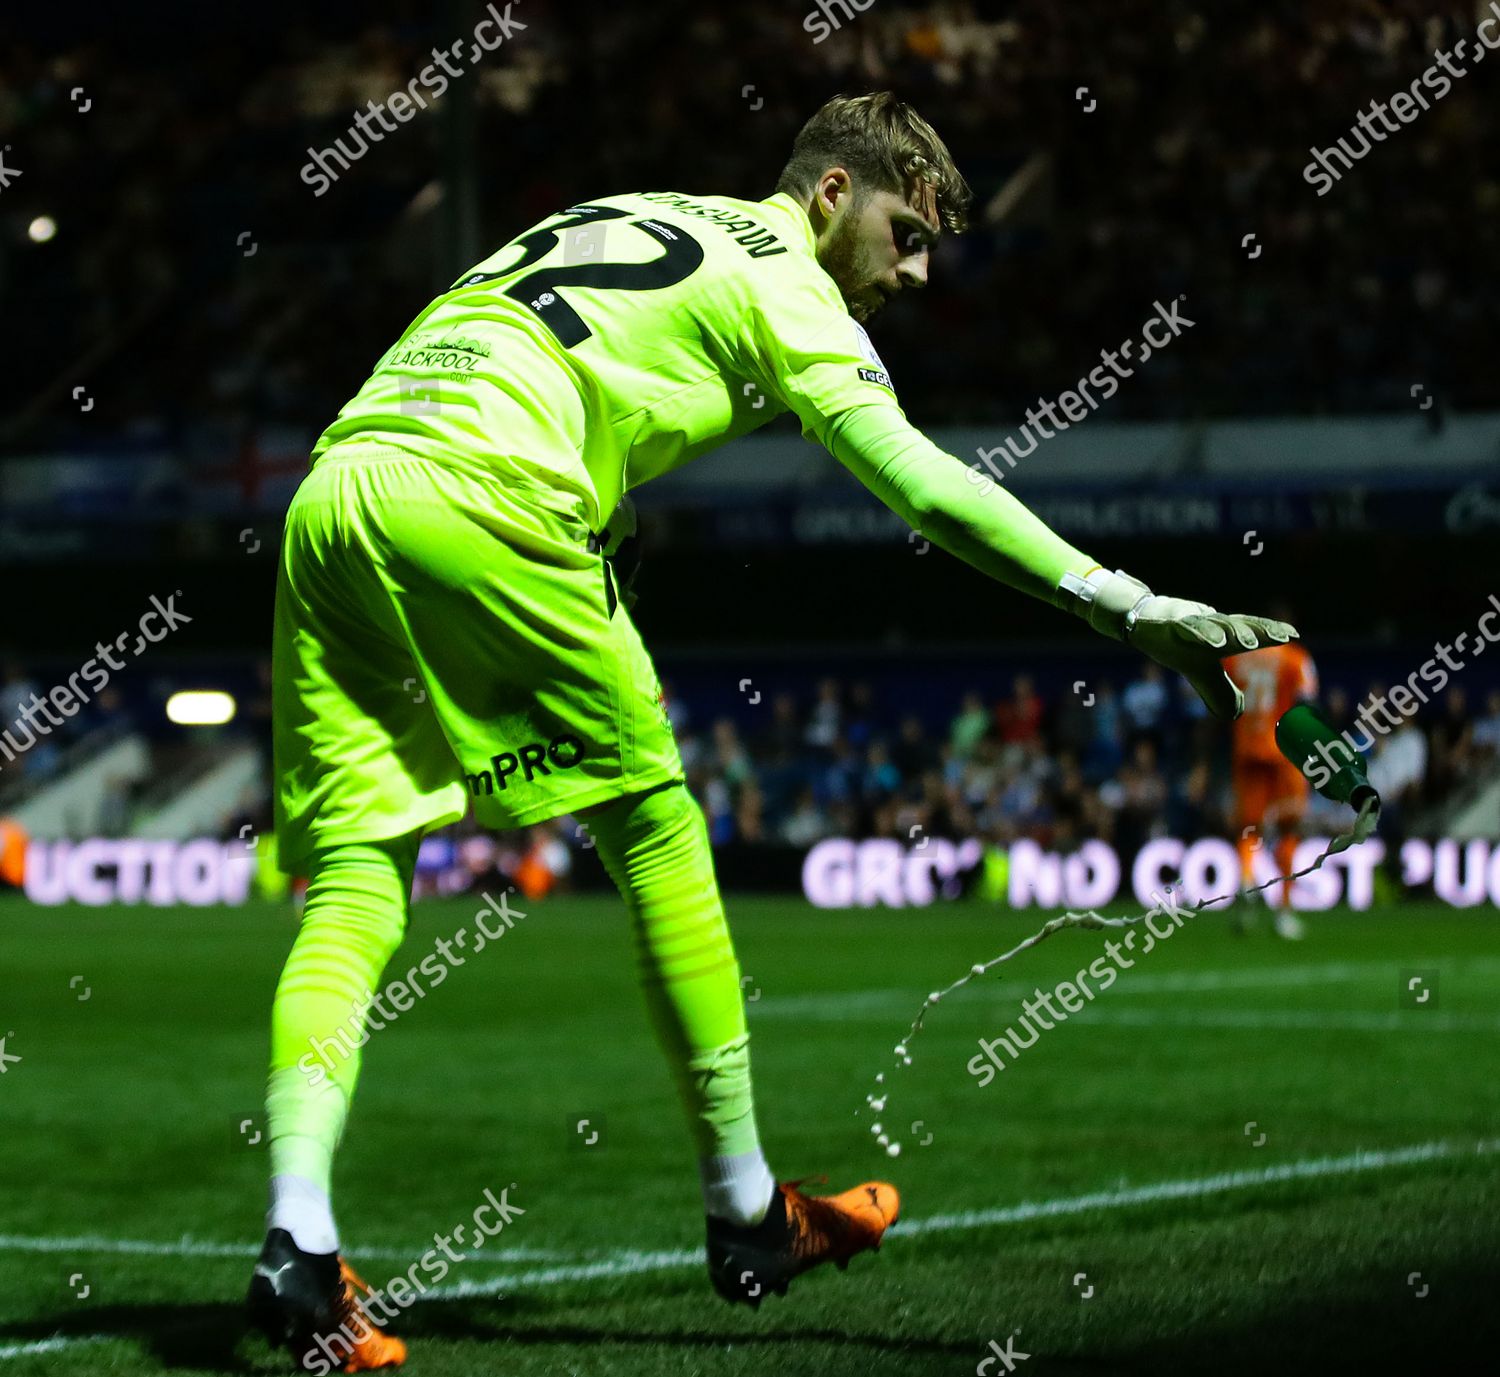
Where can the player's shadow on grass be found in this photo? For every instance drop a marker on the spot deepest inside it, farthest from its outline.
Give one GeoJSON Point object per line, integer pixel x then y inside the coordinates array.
{"type": "Point", "coordinates": [524, 1319]}
{"type": "Point", "coordinates": [1372, 1326]}
{"type": "Point", "coordinates": [1442, 1320]}
{"type": "Point", "coordinates": [215, 1337]}
{"type": "Point", "coordinates": [203, 1336]}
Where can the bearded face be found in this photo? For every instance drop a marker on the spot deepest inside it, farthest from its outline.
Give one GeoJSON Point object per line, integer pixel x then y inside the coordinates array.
{"type": "Point", "coordinates": [876, 244]}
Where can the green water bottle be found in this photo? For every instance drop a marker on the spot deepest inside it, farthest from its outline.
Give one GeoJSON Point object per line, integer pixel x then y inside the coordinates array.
{"type": "Point", "coordinates": [1326, 760]}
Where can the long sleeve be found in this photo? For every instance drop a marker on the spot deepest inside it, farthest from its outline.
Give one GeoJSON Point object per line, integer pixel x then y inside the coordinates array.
{"type": "Point", "coordinates": [801, 346]}
{"type": "Point", "coordinates": [930, 489]}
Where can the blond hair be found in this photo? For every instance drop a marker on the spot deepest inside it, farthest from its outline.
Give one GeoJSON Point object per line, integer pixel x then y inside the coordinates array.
{"type": "Point", "coordinates": [884, 145]}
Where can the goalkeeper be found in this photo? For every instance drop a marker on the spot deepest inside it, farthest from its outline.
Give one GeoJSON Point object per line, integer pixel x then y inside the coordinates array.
{"type": "Point", "coordinates": [449, 633]}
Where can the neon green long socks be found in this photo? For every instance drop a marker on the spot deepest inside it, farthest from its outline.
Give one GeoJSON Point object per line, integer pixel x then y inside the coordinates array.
{"type": "Point", "coordinates": [353, 921]}
{"type": "Point", "coordinates": [655, 847]}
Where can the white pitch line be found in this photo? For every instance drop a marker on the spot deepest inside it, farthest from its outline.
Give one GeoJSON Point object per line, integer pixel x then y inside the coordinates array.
{"type": "Point", "coordinates": [825, 1005]}
{"type": "Point", "coordinates": [634, 1263]}
{"type": "Point", "coordinates": [621, 1265]}
{"type": "Point", "coordinates": [1307, 1169]}
{"type": "Point", "coordinates": [851, 1005]}
{"type": "Point", "coordinates": [188, 1247]}
{"type": "Point", "coordinates": [1272, 977]}
{"type": "Point", "coordinates": [1179, 982]}
{"type": "Point", "coordinates": [1374, 1159]}
{"type": "Point", "coordinates": [53, 1345]}
{"type": "Point", "coordinates": [1289, 1020]}
{"type": "Point", "coordinates": [1255, 978]}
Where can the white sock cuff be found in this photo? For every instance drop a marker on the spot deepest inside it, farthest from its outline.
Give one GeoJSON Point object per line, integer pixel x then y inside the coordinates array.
{"type": "Point", "coordinates": [737, 1188]}
{"type": "Point", "coordinates": [303, 1209]}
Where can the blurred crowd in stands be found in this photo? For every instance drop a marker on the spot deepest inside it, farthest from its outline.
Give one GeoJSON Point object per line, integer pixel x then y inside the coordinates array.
{"type": "Point", "coordinates": [45, 745]}
{"type": "Point", "coordinates": [160, 244]}
{"type": "Point", "coordinates": [213, 294]}
{"type": "Point", "coordinates": [35, 747]}
{"type": "Point", "coordinates": [1117, 763]}
{"type": "Point", "coordinates": [1122, 765]}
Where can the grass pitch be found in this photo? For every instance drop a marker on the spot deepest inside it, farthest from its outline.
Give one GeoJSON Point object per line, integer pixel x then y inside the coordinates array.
{"type": "Point", "coordinates": [1246, 1156]}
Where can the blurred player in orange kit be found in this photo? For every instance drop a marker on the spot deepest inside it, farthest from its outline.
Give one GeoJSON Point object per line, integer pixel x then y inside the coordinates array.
{"type": "Point", "coordinates": [1270, 792]}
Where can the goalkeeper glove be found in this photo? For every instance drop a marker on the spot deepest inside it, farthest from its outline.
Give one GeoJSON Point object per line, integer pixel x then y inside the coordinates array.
{"type": "Point", "coordinates": [1187, 637]}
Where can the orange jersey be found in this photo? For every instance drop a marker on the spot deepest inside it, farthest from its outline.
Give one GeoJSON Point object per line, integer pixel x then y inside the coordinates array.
{"type": "Point", "coordinates": [1273, 679]}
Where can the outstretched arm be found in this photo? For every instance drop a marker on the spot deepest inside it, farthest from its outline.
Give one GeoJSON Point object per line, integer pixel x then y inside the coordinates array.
{"type": "Point", "coordinates": [997, 534]}
{"type": "Point", "coordinates": [931, 490]}
{"type": "Point", "coordinates": [801, 345]}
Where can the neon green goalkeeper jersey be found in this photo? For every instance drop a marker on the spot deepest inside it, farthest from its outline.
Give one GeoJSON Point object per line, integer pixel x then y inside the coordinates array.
{"type": "Point", "coordinates": [620, 339]}
{"type": "Point", "coordinates": [623, 337]}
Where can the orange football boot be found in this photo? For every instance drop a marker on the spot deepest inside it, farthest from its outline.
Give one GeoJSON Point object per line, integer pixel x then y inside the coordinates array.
{"type": "Point", "coordinates": [798, 1232]}
{"type": "Point", "coordinates": [373, 1347]}
{"type": "Point", "coordinates": [310, 1302]}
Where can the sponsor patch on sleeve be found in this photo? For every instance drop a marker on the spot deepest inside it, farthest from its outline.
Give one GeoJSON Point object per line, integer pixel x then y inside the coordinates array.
{"type": "Point", "coordinates": [865, 346]}
{"type": "Point", "coordinates": [876, 373]}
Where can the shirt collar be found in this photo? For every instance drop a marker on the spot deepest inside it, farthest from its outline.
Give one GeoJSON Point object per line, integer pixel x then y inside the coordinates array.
{"type": "Point", "coordinates": [788, 205]}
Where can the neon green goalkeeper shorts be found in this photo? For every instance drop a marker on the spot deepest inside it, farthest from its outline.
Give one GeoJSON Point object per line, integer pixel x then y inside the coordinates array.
{"type": "Point", "coordinates": [446, 638]}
